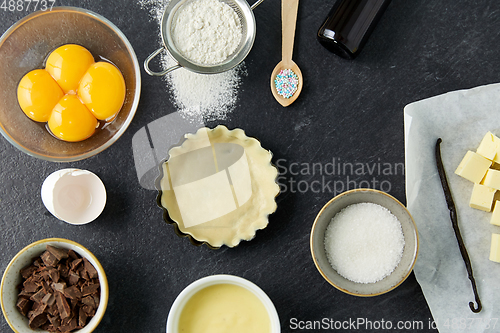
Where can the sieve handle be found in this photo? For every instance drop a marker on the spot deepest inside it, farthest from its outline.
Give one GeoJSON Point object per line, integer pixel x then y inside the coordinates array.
{"type": "Point", "coordinates": [152, 73]}
{"type": "Point", "coordinates": [256, 4]}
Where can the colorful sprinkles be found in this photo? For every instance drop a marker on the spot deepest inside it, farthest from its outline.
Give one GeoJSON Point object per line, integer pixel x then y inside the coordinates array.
{"type": "Point", "coordinates": [286, 83]}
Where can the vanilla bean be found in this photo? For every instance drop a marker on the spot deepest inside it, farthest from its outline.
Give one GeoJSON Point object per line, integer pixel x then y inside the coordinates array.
{"type": "Point", "coordinates": [454, 222]}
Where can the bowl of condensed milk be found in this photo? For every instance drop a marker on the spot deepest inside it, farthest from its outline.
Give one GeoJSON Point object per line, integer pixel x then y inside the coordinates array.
{"type": "Point", "coordinates": [223, 303]}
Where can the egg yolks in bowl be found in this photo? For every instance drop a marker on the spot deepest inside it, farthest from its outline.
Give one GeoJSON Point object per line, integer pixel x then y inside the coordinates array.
{"type": "Point", "coordinates": [72, 93]}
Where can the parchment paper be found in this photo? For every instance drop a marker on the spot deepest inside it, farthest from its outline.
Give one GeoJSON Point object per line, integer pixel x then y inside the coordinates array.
{"type": "Point", "coordinates": [461, 119]}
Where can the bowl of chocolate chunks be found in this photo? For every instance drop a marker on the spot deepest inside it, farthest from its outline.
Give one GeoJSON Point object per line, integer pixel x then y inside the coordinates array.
{"type": "Point", "coordinates": [54, 285]}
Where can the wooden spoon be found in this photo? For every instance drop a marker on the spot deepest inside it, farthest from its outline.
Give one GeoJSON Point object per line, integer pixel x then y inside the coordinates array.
{"type": "Point", "coordinates": [289, 10]}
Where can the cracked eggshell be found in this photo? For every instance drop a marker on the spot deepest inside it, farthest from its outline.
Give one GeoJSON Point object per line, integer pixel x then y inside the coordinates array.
{"type": "Point", "coordinates": [74, 196]}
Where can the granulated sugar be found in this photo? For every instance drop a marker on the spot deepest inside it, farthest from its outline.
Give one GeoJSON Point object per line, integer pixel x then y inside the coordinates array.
{"type": "Point", "coordinates": [210, 96]}
{"type": "Point", "coordinates": [364, 242]}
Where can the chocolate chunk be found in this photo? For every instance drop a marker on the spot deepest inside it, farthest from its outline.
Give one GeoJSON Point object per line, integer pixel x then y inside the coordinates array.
{"type": "Point", "coordinates": [54, 274]}
{"type": "Point", "coordinates": [55, 321]}
{"type": "Point", "coordinates": [47, 326]}
{"type": "Point", "coordinates": [30, 286]}
{"type": "Point", "coordinates": [75, 263]}
{"type": "Point", "coordinates": [37, 262]}
{"type": "Point", "coordinates": [52, 309]}
{"type": "Point", "coordinates": [48, 299]}
{"type": "Point", "coordinates": [84, 275]}
{"type": "Point", "coordinates": [26, 272]}
{"type": "Point", "coordinates": [57, 252]}
{"type": "Point", "coordinates": [37, 319]}
{"type": "Point", "coordinates": [96, 300]}
{"type": "Point", "coordinates": [59, 286]}
{"type": "Point", "coordinates": [25, 294]}
{"type": "Point", "coordinates": [72, 292]}
{"type": "Point", "coordinates": [23, 305]}
{"type": "Point", "coordinates": [90, 289]}
{"type": "Point", "coordinates": [73, 278]}
{"type": "Point", "coordinates": [89, 300]}
{"type": "Point", "coordinates": [90, 311]}
{"type": "Point", "coordinates": [92, 272]}
{"type": "Point", "coordinates": [73, 324]}
{"type": "Point", "coordinates": [37, 298]}
{"type": "Point", "coordinates": [49, 259]}
{"type": "Point", "coordinates": [82, 318]}
{"type": "Point", "coordinates": [63, 271]}
{"type": "Point", "coordinates": [62, 305]}
{"type": "Point", "coordinates": [72, 254]}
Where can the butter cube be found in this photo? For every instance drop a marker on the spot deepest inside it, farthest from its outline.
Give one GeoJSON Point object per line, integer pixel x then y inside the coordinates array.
{"type": "Point", "coordinates": [473, 167]}
{"type": "Point", "coordinates": [495, 248]}
{"type": "Point", "coordinates": [492, 179]}
{"type": "Point", "coordinates": [489, 146]}
{"type": "Point", "coordinates": [482, 197]}
{"type": "Point", "coordinates": [495, 217]}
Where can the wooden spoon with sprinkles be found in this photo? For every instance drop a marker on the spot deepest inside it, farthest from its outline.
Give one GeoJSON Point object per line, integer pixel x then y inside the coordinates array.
{"type": "Point", "coordinates": [286, 79]}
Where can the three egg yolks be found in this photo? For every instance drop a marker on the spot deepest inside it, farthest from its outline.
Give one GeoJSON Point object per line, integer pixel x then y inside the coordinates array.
{"type": "Point", "coordinates": [72, 93]}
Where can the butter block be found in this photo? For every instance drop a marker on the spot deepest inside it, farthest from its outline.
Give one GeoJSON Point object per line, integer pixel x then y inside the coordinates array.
{"type": "Point", "coordinates": [473, 167]}
{"type": "Point", "coordinates": [495, 217]}
{"type": "Point", "coordinates": [495, 248]}
{"type": "Point", "coordinates": [489, 146]}
{"type": "Point", "coordinates": [482, 197]}
{"type": "Point", "coordinates": [492, 179]}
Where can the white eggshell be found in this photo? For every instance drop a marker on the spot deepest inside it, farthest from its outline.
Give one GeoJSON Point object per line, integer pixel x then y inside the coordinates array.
{"type": "Point", "coordinates": [74, 196]}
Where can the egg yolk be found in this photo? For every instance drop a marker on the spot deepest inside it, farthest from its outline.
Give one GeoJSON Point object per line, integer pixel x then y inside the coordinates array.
{"type": "Point", "coordinates": [102, 90]}
{"type": "Point", "coordinates": [67, 65]}
{"type": "Point", "coordinates": [70, 120]}
{"type": "Point", "coordinates": [37, 94]}
{"type": "Point", "coordinates": [72, 93]}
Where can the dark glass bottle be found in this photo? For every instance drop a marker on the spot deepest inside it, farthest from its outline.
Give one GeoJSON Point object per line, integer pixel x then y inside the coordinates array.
{"type": "Point", "coordinates": [349, 24]}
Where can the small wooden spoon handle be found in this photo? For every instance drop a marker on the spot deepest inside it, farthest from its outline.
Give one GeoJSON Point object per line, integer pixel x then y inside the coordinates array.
{"type": "Point", "coordinates": [289, 10]}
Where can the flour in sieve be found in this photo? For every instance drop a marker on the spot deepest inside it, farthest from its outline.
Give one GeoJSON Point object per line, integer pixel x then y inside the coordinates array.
{"type": "Point", "coordinates": [206, 32]}
{"type": "Point", "coordinates": [212, 96]}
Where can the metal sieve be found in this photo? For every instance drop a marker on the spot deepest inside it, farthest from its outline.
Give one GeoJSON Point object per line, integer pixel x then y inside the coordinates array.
{"type": "Point", "coordinates": [247, 22]}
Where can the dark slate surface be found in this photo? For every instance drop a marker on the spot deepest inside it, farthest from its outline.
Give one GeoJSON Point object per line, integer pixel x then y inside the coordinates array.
{"type": "Point", "coordinates": [348, 110]}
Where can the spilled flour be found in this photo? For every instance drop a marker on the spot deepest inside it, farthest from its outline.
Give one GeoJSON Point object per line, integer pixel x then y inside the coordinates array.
{"type": "Point", "coordinates": [211, 96]}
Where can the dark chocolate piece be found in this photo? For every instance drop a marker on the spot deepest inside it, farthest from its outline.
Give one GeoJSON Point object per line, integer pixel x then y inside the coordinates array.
{"type": "Point", "coordinates": [57, 252]}
{"type": "Point", "coordinates": [72, 254]}
{"type": "Point", "coordinates": [49, 259]}
{"type": "Point", "coordinates": [48, 299]}
{"type": "Point", "coordinates": [82, 318]}
{"type": "Point", "coordinates": [24, 305]}
{"type": "Point", "coordinates": [38, 296]}
{"type": "Point", "coordinates": [59, 286]}
{"type": "Point", "coordinates": [30, 286]}
{"type": "Point", "coordinates": [73, 278]}
{"type": "Point", "coordinates": [62, 305]}
{"type": "Point", "coordinates": [90, 289]}
{"type": "Point", "coordinates": [92, 272]}
{"type": "Point", "coordinates": [75, 263]}
{"type": "Point", "coordinates": [26, 272]}
{"type": "Point", "coordinates": [37, 319]}
{"type": "Point", "coordinates": [454, 222]}
{"type": "Point", "coordinates": [72, 293]}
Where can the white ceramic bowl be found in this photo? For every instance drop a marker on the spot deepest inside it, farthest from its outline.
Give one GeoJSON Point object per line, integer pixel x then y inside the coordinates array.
{"type": "Point", "coordinates": [12, 277]}
{"type": "Point", "coordinates": [193, 288]}
{"type": "Point", "coordinates": [410, 250]}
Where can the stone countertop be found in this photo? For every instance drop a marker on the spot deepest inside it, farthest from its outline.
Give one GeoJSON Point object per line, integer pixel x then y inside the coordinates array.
{"type": "Point", "coordinates": [349, 112]}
